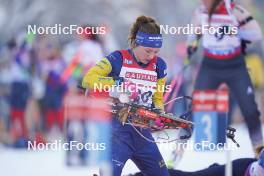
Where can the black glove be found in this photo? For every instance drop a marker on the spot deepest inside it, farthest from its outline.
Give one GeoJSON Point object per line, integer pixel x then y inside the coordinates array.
{"type": "Point", "coordinates": [244, 44]}
{"type": "Point", "coordinates": [118, 80]}
{"type": "Point", "coordinates": [191, 50]}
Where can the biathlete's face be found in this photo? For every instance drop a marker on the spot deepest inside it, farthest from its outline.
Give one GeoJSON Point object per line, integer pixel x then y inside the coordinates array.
{"type": "Point", "coordinates": [145, 54]}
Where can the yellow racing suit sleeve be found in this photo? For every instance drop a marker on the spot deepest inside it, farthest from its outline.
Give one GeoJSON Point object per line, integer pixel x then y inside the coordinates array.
{"type": "Point", "coordinates": [98, 74]}
{"type": "Point", "coordinates": [158, 95]}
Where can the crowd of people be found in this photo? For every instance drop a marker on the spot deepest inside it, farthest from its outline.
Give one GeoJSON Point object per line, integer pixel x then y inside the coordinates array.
{"type": "Point", "coordinates": [37, 71]}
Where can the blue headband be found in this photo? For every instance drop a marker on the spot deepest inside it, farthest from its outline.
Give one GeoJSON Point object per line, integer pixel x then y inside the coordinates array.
{"type": "Point", "coordinates": [149, 40]}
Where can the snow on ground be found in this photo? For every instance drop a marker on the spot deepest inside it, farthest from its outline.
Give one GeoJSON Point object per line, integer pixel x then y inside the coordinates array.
{"type": "Point", "coordinates": [193, 160]}
{"type": "Point", "coordinates": [14, 162]}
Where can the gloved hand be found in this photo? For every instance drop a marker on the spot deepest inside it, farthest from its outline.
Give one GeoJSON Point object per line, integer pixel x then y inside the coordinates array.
{"type": "Point", "coordinates": [192, 47]}
{"type": "Point", "coordinates": [244, 44]}
{"type": "Point", "coordinates": [122, 115]}
{"type": "Point", "coordinates": [124, 89]}
{"type": "Point", "coordinates": [118, 80]}
{"type": "Point", "coordinates": [191, 50]}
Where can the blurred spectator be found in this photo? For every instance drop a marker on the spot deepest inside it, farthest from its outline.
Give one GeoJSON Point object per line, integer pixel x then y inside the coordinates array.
{"type": "Point", "coordinates": [20, 92]}
{"type": "Point", "coordinates": [82, 54]}
{"type": "Point", "coordinates": [5, 82]}
{"type": "Point", "coordinates": [256, 73]}
{"type": "Point", "coordinates": [223, 59]}
{"type": "Point", "coordinates": [51, 65]}
{"type": "Point", "coordinates": [79, 55]}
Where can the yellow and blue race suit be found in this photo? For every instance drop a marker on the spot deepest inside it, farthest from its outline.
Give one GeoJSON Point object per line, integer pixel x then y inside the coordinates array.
{"type": "Point", "coordinates": [126, 142]}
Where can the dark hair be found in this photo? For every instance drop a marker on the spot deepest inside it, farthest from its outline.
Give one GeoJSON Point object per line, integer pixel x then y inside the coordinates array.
{"type": "Point", "coordinates": [142, 24]}
{"type": "Point", "coordinates": [212, 9]}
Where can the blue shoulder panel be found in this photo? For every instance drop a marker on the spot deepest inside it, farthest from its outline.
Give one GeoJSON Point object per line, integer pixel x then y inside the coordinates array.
{"type": "Point", "coordinates": [115, 58]}
{"type": "Point", "coordinates": [161, 68]}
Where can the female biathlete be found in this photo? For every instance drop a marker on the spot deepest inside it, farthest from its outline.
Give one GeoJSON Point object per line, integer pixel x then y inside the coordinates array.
{"type": "Point", "coordinates": [223, 60]}
{"type": "Point", "coordinates": [138, 65]}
